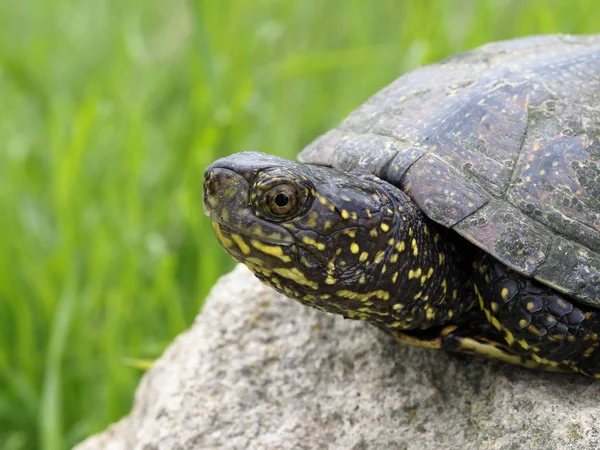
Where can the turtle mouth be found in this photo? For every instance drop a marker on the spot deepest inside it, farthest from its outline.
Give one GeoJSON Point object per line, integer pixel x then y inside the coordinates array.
{"type": "Point", "coordinates": [272, 239]}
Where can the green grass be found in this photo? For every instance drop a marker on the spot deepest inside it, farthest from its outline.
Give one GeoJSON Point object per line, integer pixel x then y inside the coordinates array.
{"type": "Point", "coordinates": [111, 110]}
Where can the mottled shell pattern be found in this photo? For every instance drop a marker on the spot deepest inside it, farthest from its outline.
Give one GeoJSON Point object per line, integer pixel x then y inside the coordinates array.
{"type": "Point", "coordinates": [500, 144]}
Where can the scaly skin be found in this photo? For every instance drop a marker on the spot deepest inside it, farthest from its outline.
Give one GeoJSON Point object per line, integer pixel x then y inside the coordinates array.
{"type": "Point", "coordinates": [354, 245]}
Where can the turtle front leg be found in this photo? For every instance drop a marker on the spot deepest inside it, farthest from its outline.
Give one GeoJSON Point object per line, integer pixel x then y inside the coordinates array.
{"type": "Point", "coordinates": [537, 322]}
{"type": "Point", "coordinates": [477, 341]}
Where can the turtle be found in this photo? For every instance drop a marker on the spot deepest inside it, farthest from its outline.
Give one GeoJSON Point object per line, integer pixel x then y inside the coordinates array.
{"type": "Point", "coordinates": [457, 209]}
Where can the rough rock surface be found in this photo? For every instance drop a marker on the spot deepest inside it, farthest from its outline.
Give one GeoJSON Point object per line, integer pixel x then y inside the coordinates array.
{"type": "Point", "coordinates": [260, 371]}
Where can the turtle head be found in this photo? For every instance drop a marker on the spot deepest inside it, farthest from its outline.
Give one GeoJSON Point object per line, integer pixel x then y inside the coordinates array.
{"type": "Point", "coordinates": [343, 242]}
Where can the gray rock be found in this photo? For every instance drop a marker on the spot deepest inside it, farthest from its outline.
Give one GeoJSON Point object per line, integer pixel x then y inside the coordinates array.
{"type": "Point", "coordinates": [260, 371]}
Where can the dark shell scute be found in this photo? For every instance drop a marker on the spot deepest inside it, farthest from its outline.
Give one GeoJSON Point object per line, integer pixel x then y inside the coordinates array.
{"type": "Point", "coordinates": [572, 268]}
{"type": "Point", "coordinates": [448, 200]}
{"type": "Point", "coordinates": [513, 238]}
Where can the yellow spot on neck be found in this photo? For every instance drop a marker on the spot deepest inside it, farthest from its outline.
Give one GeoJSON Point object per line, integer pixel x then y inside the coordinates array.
{"type": "Point", "coordinates": [295, 275]}
{"type": "Point", "coordinates": [363, 256]}
{"type": "Point", "coordinates": [379, 256]}
{"type": "Point", "coordinates": [400, 246]}
{"type": "Point", "coordinates": [380, 294]}
{"type": "Point", "coordinates": [385, 227]}
{"type": "Point", "coordinates": [415, 249]}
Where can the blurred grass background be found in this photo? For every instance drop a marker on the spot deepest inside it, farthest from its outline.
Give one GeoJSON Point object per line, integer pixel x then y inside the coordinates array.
{"type": "Point", "coordinates": [111, 110]}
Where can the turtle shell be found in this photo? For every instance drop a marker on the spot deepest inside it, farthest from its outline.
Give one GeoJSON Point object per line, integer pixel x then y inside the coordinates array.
{"type": "Point", "coordinates": [501, 144]}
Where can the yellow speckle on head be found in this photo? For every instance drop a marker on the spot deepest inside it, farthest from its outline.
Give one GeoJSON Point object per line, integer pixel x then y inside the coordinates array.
{"type": "Point", "coordinates": [430, 314]}
{"type": "Point", "coordinates": [345, 214]}
{"type": "Point", "coordinates": [410, 232]}
{"type": "Point", "coordinates": [225, 242]}
{"type": "Point", "coordinates": [354, 248]}
{"type": "Point", "coordinates": [385, 227]}
{"type": "Point", "coordinates": [504, 293]}
{"type": "Point", "coordinates": [329, 280]}
{"type": "Point", "coordinates": [363, 257]}
{"type": "Point", "coordinates": [530, 306]}
{"type": "Point", "coordinates": [327, 225]}
{"type": "Point", "coordinates": [417, 296]}
{"type": "Point", "coordinates": [400, 246]}
{"type": "Point", "coordinates": [312, 219]}
{"type": "Point", "coordinates": [423, 279]}
{"type": "Point", "coordinates": [397, 306]}
{"type": "Point", "coordinates": [272, 250]}
{"type": "Point", "coordinates": [411, 274]}
{"type": "Point", "coordinates": [391, 242]}
{"type": "Point", "coordinates": [523, 323]}
{"type": "Point", "coordinates": [241, 244]}
{"type": "Point", "coordinates": [362, 279]}
{"type": "Point", "coordinates": [394, 277]}
{"type": "Point", "coordinates": [455, 294]}
{"type": "Point", "coordinates": [441, 258]}
{"type": "Point", "coordinates": [394, 258]}
{"type": "Point", "coordinates": [373, 233]}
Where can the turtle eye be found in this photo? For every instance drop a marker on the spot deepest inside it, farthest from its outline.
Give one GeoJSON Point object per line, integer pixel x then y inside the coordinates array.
{"type": "Point", "coordinates": [282, 200]}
